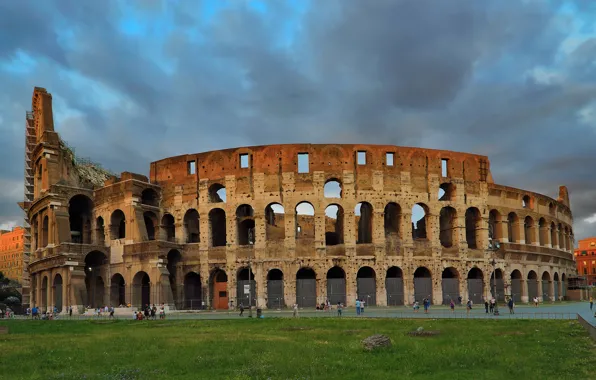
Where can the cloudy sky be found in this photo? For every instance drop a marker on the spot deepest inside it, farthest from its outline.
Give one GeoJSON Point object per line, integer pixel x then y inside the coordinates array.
{"type": "Point", "coordinates": [137, 81]}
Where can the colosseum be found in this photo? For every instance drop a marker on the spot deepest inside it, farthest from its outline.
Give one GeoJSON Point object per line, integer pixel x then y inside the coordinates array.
{"type": "Point", "coordinates": [282, 224]}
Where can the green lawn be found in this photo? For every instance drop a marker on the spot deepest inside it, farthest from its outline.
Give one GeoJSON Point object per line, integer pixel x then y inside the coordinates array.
{"type": "Point", "coordinates": [295, 349]}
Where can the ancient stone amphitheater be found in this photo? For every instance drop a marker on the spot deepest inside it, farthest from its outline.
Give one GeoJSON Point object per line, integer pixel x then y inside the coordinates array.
{"type": "Point", "coordinates": [282, 224]}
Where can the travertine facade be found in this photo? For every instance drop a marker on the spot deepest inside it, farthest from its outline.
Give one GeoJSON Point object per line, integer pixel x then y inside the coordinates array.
{"type": "Point", "coordinates": [315, 222]}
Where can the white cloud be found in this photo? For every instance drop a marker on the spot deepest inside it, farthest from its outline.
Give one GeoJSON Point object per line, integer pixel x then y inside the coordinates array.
{"type": "Point", "coordinates": [590, 219]}
{"type": "Point", "coordinates": [7, 226]}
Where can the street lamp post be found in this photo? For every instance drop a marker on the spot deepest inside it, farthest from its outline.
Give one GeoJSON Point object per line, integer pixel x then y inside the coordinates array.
{"type": "Point", "coordinates": [250, 241]}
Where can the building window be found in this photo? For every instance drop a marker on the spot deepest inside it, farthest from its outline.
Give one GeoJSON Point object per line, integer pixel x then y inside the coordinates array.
{"type": "Point", "coordinates": [191, 167]}
{"type": "Point", "coordinates": [444, 167]}
{"type": "Point", "coordinates": [361, 157]}
{"type": "Point", "coordinates": [303, 166]}
{"type": "Point", "coordinates": [244, 160]}
{"type": "Point", "coordinates": [389, 157]}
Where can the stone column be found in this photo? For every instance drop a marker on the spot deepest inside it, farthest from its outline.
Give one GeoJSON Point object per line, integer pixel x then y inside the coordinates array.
{"type": "Point", "coordinates": [381, 289]}
{"type": "Point", "coordinates": [351, 288]}
{"type": "Point", "coordinates": [518, 229]}
{"type": "Point", "coordinates": [540, 290]}
{"type": "Point", "coordinates": [261, 287]}
{"type": "Point", "coordinates": [437, 289]}
{"type": "Point", "coordinates": [524, 289]}
{"type": "Point", "coordinates": [65, 287]}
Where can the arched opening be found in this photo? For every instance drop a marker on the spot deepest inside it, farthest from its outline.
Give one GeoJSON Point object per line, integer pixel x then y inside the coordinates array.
{"type": "Point", "coordinates": [79, 214]}
{"type": "Point", "coordinates": [192, 226]}
{"type": "Point", "coordinates": [532, 285]}
{"type": "Point", "coordinates": [193, 292]}
{"type": "Point", "coordinates": [44, 293]}
{"type": "Point", "coordinates": [366, 286]}
{"type": "Point", "coordinates": [364, 222]}
{"type": "Point", "coordinates": [141, 290]}
{"type": "Point", "coordinates": [117, 225]}
{"type": "Point", "coordinates": [561, 237]}
{"type": "Point", "coordinates": [275, 227]}
{"type": "Point", "coordinates": [305, 221]}
{"type": "Point", "coordinates": [244, 279]}
{"type": "Point", "coordinates": [117, 290]}
{"type": "Point", "coordinates": [447, 226]}
{"type": "Point", "coordinates": [529, 235]}
{"type": "Point", "coordinates": [475, 285]}
{"type": "Point", "coordinates": [513, 227]}
{"type": "Point", "coordinates": [556, 286]}
{"type": "Point", "coordinates": [394, 285]}
{"type": "Point", "coordinates": [494, 227]}
{"type": "Point", "coordinates": [94, 263]}
{"type": "Point", "coordinates": [306, 288]}
{"type": "Point", "coordinates": [336, 285]}
{"type": "Point", "coordinates": [100, 235]}
{"type": "Point", "coordinates": [392, 220]}
{"type": "Point", "coordinates": [58, 292]}
{"type": "Point", "coordinates": [245, 225]}
{"type": "Point", "coordinates": [526, 202]}
{"type": "Point", "coordinates": [546, 289]}
{"type": "Point", "coordinates": [543, 232]}
{"type": "Point", "coordinates": [218, 284]}
{"type": "Point", "coordinates": [45, 231]}
{"type": "Point", "coordinates": [168, 227]}
{"type": "Point", "coordinates": [551, 208]}
{"type": "Point", "coordinates": [150, 197]}
{"type": "Point", "coordinates": [334, 225]}
{"type": "Point", "coordinates": [174, 260]}
{"type": "Point", "coordinates": [150, 222]}
{"type": "Point", "coordinates": [473, 227]}
{"type": "Point", "coordinates": [217, 193]}
{"type": "Point", "coordinates": [563, 286]}
{"type": "Point", "coordinates": [450, 285]}
{"type": "Point", "coordinates": [423, 284]}
{"type": "Point", "coordinates": [516, 285]}
{"type": "Point", "coordinates": [419, 221]}
{"type": "Point", "coordinates": [275, 289]}
{"type": "Point", "coordinates": [447, 192]}
{"type": "Point", "coordinates": [217, 224]}
{"type": "Point", "coordinates": [332, 189]}
{"type": "Point", "coordinates": [500, 291]}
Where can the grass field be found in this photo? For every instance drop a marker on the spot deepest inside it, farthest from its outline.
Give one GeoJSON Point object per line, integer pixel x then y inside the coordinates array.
{"type": "Point", "coordinates": [295, 349]}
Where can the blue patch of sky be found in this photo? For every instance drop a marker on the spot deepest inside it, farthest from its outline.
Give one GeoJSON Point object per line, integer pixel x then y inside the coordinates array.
{"type": "Point", "coordinates": [21, 63]}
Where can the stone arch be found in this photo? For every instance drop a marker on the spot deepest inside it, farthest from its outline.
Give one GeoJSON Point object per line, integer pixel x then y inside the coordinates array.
{"type": "Point", "coordinates": [305, 221]}
{"type": "Point", "coordinates": [217, 227]}
{"type": "Point", "coordinates": [217, 193]}
{"type": "Point", "coordinates": [513, 227]}
{"type": "Point", "coordinates": [336, 285]}
{"type": "Point", "coordinates": [476, 285]}
{"type": "Point", "coordinates": [334, 224]}
{"type": "Point", "coordinates": [174, 259]}
{"type": "Point", "coordinates": [526, 202]}
{"type": "Point", "coordinates": [275, 289]}
{"type": "Point", "coordinates": [150, 220]}
{"type": "Point", "coordinates": [556, 285]}
{"type": "Point", "coordinates": [149, 197]}
{"type": "Point", "coordinates": [532, 285]}
{"type": "Point", "coordinates": [542, 232]}
{"type": "Point", "coordinates": [57, 285]}
{"type": "Point", "coordinates": [44, 293]}
{"type": "Point", "coordinates": [218, 289]}
{"type": "Point", "coordinates": [117, 290]}
{"type": "Point", "coordinates": [529, 230]}
{"type": "Point", "coordinates": [423, 284]}
{"type": "Point", "coordinates": [447, 226]}
{"type": "Point", "coordinates": [100, 234]}
{"type": "Point", "coordinates": [80, 209]}
{"type": "Point", "coordinates": [363, 213]}
{"type": "Point", "coordinates": [495, 232]}
{"type": "Point", "coordinates": [306, 287]}
{"type": "Point", "coordinates": [394, 285]}
{"type": "Point", "coordinates": [117, 225]}
{"type": "Point", "coordinates": [553, 234]}
{"type": "Point", "coordinates": [561, 237]}
{"type": "Point", "coordinates": [546, 288]}
{"type": "Point", "coordinates": [551, 208]}
{"type": "Point", "coordinates": [193, 291]}
{"type": "Point", "coordinates": [244, 278]}
{"type": "Point", "coordinates": [366, 285]}
{"type": "Point", "coordinates": [450, 285]}
{"type": "Point", "coordinates": [420, 215]}
{"type": "Point", "coordinates": [168, 225]}
{"type": "Point", "coordinates": [332, 188]}
{"type": "Point", "coordinates": [392, 220]}
{"type": "Point", "coordinates": [563, 286]}
{"type": "Point", "coordinates": [275, 227]}
{"type": "Point", "coordinates": [447, 192]}
{"type": "Point", "coordinates": [473, 228]}
{"type": "Point", "coordinates": [95, 261]}
{"type": "Point", "coordinates": [192, 226]}
{"type": "Point", "coordinates": [141, 290]}
{"type": "Point", "coordinates": [500, 285]}
{"type": "Point", "coordinates": [516, 285]}
{"type": "Point", "coordinates": [245, 225]}
{"type": "Point", "coordinates": [45, 231]}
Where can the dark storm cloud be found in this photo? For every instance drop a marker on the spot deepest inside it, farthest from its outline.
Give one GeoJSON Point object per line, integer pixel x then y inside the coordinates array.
{"type": "Point", "coordinates": [486, 77]}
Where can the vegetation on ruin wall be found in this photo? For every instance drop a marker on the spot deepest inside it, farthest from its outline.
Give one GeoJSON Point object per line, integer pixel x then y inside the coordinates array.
{"type": "Point", "coordinates": [90, 174]}
{"type": "Point", "coordinates": [295, 349]}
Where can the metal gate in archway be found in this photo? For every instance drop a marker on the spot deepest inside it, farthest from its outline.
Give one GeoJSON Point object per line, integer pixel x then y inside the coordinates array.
{"type": "Point", "coordinates": [532, 289]}
{"type": "Point", "coordinates": [556, 290]}
{"type": "Point", "coordinates": [241, 296]}
{"type": "Point", "coordinates": [475, 290]}
{"type": "Point", "coordinates": [423, 288]}
{"type": "Point", "coordinates": [336, 290]}
{"type": "Point", "coordinates": [516, 290]}
{"type": "Point", "coordinates": [306, 292]}
{"type": "Point", "coordinates": [395, 291]}
{"type": "Point", "coordinates": [450, 287]}
{"type": "Point", "coordinates": [275, 294]}
{"type": "Point", "coordinates": [367, 291]}
{"type": "Point", "coordinates": [500, 289]}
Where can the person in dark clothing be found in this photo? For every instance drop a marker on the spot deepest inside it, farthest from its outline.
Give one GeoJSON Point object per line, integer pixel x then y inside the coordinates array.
{"type": "Point", "coordinates": [241, 309]}
{"type": "Point", "coordinates": [486, 306]}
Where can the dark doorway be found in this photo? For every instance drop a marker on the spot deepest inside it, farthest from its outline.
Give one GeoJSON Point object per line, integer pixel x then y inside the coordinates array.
{"type": "Point", "coordinates": [336, 285]}
{"type": "Point", "coordinates": [306, 288]}
{"type": "Point", "coordinates": [366, 283]}
{"type": "Point", "coordinates": [275, 289]}
{"type": "Point", "coordinates": [394, 284]}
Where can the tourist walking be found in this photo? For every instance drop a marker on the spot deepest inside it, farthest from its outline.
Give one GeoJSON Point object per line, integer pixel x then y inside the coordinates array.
{"type": "Point", "coordinates": [241, 309]}
{"type": "Point", "coordinates": [426, 305]}
{"type": "Point", "coordinates": [486, 306]}
{"type": "Point", "coordinates": [295, 310]}
{"type": "Point", "coordinates": [468, 307]}
{"type": "Point", "coordinates": [591, 302]}
{"type": "Point", "coordinates": [416, 306]}
{"type": "Point", "coordinates": [361, 306]}
{"type": "Point", "coordinates": [452, 306]}
{"type": "Point", "coordinates": [357, 307]}
{"type": "Point", "coordinates": [510, 304]}
{"type": "Point", "coordinates": [339, 307]}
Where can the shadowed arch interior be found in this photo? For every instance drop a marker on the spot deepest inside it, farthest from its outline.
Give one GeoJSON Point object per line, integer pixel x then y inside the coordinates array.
{"type": "Point", "coordinates": [394, 286]}
{"type": "Point", "coordinates": [450, 285]}
{"type": "Point", "coordinates": [275, 289]}
{"type": "Point", "coordinates": [306, 288]}
{"type": "Point", "coordinates": [423, 286]}
{"type": "Point", "coordinates": [366, 286]}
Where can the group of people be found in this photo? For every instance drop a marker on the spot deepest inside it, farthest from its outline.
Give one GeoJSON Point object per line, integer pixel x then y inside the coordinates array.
{"type": "Point", "coordinates": [98, 312]}
{"type": "Point", "coordinates": [425, 304]}
{"type": "Point", "coordinates": [149, 312]}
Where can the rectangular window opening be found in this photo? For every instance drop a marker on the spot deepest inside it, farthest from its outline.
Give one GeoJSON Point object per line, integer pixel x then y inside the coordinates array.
{"type": "Point", "coordinates": [361, 157]}
{"type": "Point", "coordinates": [191, 167]}
{"type": "Point", "coordinates": [303, 166]}
{"type": "Point", "coordinates": [444, 167]}
{"type": "Point", "coordinates": [389, 158]}
{"type": "Point", "coordinates": [244, 161]}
